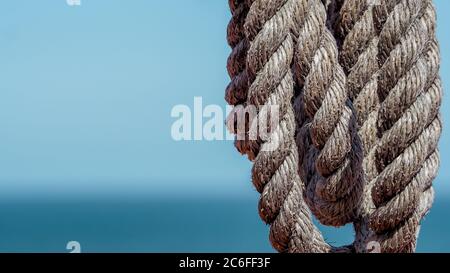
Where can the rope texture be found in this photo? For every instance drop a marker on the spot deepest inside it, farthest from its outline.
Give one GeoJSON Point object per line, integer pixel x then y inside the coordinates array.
{"type": "Point", "coordinates": [267, 29]}
{"type": "Point", "coordinates": [331, 166]}
{"type": "Point", "coordinates": [358, 89]}
{"type": "Point", "coordinates": [236, 91]}
{"type": "Point", "coordinates": [408, 123]}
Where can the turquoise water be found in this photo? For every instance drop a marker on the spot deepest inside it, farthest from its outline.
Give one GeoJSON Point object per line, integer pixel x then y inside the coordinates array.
{"type": "Point", "coordinates": [163, 225]}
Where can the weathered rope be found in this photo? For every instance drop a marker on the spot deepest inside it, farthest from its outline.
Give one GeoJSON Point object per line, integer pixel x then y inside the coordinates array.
{"type": "Point", "coordinates": [408, 121]}
{"type": "Point", "coordinates": [268, 29]}
{"type": "Point", "coordinates": [409, 88]}
{"type": "Point", "coordinates": [327, 138]}
{"type": "Point", "coordinates": [356, 32]}
{"type": "Point", "coordinates": [236, 91]}
{"type": "Point", "coordinates": [361, 146]}
{"type": "Point", "coordinates": [275, 174]}
{"type": "Point", "coordinates": [411, 96]}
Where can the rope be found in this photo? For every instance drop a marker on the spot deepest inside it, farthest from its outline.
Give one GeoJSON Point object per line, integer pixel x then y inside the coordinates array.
{"type": "Point", "coordinates": [236, 91]}
{"type": "Point", "coordinates": [275, 175]}
{"type": "Point", "coordinates": [356, 32]}
{"type": "Point", "coordinates": [399, 206]}
{"type": "Point", "coordinates": [408, 122]}
{"type": "Point", "coordinates": [358, 91]}
{"type": "Point", "coordinates": [327, 135]}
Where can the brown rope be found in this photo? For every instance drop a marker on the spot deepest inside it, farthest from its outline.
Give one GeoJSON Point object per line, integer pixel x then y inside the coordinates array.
{"type": "Point", "coordinates": [236, 91]}
{"type": "Point", "coordinates": [356, 31]}
{"type": "Point", "coordinates": [275, 175]}
{"type": "Point", "coordinates": [358, 91]}
{"type": "Point", "coordinates": [327, 138]}
{"type": "Point", "coordinates": [408, 122]}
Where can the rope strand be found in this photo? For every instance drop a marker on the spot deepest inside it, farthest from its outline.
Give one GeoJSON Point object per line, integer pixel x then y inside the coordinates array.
{"type": "Point", "coordinates": [275, 174]}
{"type": "Point", "coordinates": [358, 93]}
{"type": "Point", "coordinates": [356, 29]}
{"type": "Point", "coordinates": [408, 122]}
{"type": "Point", "coordinates": [332, 152]}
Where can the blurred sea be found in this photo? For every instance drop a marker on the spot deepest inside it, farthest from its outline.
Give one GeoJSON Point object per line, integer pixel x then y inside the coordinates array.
{"type": "Point", "coordinates": [164, 225]}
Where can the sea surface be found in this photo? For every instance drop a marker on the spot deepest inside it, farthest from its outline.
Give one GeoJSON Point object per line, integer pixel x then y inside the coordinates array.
{"type": "Point", "coordinates": [164, 225]}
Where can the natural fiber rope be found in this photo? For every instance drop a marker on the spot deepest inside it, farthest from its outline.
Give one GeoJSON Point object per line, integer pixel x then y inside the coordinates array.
{"type": "Point", "coordinates": [358, 38]}
{"type": "Point", "coordinates": [275, 175]}
{"type": "Point", "coordinates": [398, 215]}
{"type": "Point", "coordinates": [369, 129]}
{"type": "Point", "coordinates": [409, 126]}
{"type": "Point", "coordinates": [331, 166]}
{"type": "Point", "coordinates": [236, 91]}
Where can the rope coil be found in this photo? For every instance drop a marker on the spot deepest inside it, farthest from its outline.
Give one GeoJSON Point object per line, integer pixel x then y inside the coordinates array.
{"type": "Point", "coordinates": [333, 169]}
{"type": "Point", "coordinates": [358, 90]}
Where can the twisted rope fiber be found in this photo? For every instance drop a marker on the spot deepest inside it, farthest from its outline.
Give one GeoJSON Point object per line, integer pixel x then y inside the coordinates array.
{"type": "Point", "coordinates": [275, 174]}
{"type": "Point", "coordinates": [409, 126]}
{"type": "Point", "coordinates": [355, 28]}
{"type": "Point", "coordinates": [330, 150]}
{"type": "Point", "coordinates": [237, 90]}
{"type": "Point", "coordinates": [357, 36]}
{"type": "Point", "coordinates": [365, 133]}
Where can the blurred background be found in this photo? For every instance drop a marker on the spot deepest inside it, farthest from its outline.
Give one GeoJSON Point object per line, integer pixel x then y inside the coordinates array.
{"type": "Point", "coordinates": [86, 152]}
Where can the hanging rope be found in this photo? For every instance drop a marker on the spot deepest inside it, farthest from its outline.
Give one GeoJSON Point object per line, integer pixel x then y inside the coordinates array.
{"type": "Point", "coordinates": [275, 175]}
{"type": "Point", "coordinates": [328, 137]}
{"type": "Point", "coordinates": [408, 122]}
{"type": "Point", "coordinates": [358, 37]}
{"type": "Point", "coordinates": [236, 91]}
{"type": "Point", "coordinates": [359, 141]}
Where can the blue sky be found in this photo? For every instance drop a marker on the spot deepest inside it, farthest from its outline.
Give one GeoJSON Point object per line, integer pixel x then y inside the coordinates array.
{"type": "Point", "coordinates": [86, 94]}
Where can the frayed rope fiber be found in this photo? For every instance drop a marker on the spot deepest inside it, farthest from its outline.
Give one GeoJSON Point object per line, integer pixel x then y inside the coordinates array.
{"type": "Point", "coordinates": [357, 86]}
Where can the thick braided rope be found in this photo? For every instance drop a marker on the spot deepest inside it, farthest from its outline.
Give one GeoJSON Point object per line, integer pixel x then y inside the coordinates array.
{"type": "Point", "coordinates": [275, 173]}
{"type": "Point", "coordinates": [409, 126]}
{"type": "Point", "coordinates": [330, 150]}
{"type": "Point", "coordinates": [358, 38]}
{"type": "Point", "coordinates": [413, 198]}
{"type": "Point", "coordinates": [237, 90]}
